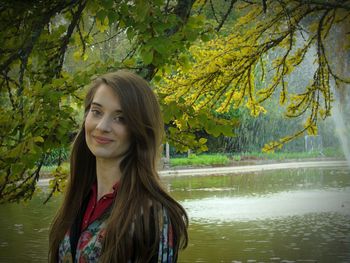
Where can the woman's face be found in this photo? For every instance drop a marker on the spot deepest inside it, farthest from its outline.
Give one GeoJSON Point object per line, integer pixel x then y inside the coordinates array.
{"type": "Point", "coordinates": [106, 134]}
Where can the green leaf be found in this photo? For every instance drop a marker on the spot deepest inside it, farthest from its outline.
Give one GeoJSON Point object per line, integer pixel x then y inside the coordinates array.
{"type": "Point", "coordinates": [102, 25]}
{"type": "Point", "coordinates": [15, 152]}
{"type": "Point", "coordinates": [77, 55]}
{"type": "Point", "coordinates": [147, 56]}
{"type": "Point", "coordinates": [161, 44]}
{"type": "Point", "coordinates": [157, 78]}
{"type": "Point", "coordinates": [38, 139]}
{"type": "Point", "coordinates": [202, 140]}
{"type": "Point", "coordinates": [227, 130]}
{"type": "Point", "coordinates": [101, 15]}
{"type": "Point", "coordinates": [142, 10]}
{"type": "Point", "coordinates": [191, 35]}
{"type": "Point", "coordinates": [112, 16]}
{"type": "Point", "coordinates": [130, 33]}
{"type": "Point", "coordinates": [205, 37]}
{"type": "Point", "coordinates": [108, 4]}
{"type": "Point", "coordinates": [129, 62]}
{"type": "Point", "coordinates": [161, 47]}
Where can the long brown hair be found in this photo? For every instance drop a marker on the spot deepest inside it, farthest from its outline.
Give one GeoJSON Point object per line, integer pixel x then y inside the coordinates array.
{"type": "Point", "coordinates": [134, 225]}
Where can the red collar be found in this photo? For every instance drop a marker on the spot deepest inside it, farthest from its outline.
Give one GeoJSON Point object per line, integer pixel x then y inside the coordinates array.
{"type": "Point", "coordinates": [96, 208]}
{"type": "Point", "coordinates": [109, 195]}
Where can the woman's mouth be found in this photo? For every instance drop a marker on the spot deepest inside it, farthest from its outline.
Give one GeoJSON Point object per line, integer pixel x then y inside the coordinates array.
{"type": "Point", "coordinates": [102, 140]}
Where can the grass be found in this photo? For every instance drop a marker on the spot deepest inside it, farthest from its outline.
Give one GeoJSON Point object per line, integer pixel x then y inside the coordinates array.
{"type": "Point", "coordinates": [200, 160]}
{"type": "Point", "coordinates": [275, 156]}
{"type": "Point", "coordinates": [224, 159]}
{"type": "Point", "coordinates": [327, 152]}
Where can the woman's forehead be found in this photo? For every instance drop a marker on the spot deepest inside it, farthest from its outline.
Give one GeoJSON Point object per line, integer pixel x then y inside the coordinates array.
{"type": "Point", "coordinates": [105, 97]}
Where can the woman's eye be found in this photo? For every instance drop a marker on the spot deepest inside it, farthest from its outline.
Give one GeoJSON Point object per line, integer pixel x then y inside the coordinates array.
{"type": "Point", "coordinates": [118, 119]}
{"type": "Point", "coordinates": [96, 112]}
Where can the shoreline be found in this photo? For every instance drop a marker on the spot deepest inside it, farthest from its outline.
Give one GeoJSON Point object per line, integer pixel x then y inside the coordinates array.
{"type": "Point", "coordinates": [235, 169]}
{"type": "Point", "coordinates": [254, 168]}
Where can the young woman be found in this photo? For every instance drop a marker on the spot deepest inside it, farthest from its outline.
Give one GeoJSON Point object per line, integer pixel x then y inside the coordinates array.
{"type": "Point", "coordinates": [115, 209]}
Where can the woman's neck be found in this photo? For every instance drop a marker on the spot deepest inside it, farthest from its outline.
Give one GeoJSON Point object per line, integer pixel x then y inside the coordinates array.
{"type": "Point", "coordinates": [108, 173]}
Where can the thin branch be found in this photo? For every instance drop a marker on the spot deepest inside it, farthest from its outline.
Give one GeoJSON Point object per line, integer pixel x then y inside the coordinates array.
{"type": "Point", "coordinates": [166, 8]}
{"type": "Point", "coordinates": [224, 18]}
{"type": "Point", "coordinates": [105, 40]}
{"type": "Point", "coordinates": [328, 5]}
{"type": "Point", "coordinates": [54, 189]}
{"type": "Point", "coordinates": [5, 182]}
{"type": "Point", "coordinates": [213, 10]}
{"type": "Point", "coordinates": [82, 40]}
{"type": "Point", "coordinates": [28, 44]}
{"type": "Point", "coordinates": [70, 30]}
{"type": "Point", "coordinates": [264, 6]}
{"type": "Point", "coordinates": [202, 6]}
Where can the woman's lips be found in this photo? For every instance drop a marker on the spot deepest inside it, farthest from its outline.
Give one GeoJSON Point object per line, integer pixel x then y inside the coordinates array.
{"type": "Point", "coordinates": [102, 140]}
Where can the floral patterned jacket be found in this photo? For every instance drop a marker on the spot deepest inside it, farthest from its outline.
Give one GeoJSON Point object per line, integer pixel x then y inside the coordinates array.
{"type": "Point", "coordinates": [89, 244]}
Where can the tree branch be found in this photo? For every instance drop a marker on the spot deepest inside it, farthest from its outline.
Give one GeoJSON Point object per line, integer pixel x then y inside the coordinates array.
{"type": "Point", "coordinates": [213, 10]}
{"type": "Point", "coordinates": [66, 38]}
{"type": "Point", "coordinates": [28, 44]}
{"type": "Point", "coordinates": [229, 10]}
{"type": "Point", "coordinates": [182, 11]}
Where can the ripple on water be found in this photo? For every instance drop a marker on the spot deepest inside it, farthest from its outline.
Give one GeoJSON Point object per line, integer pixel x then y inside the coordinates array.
{"type": "Point", "coordinates": [216, 209]}
{"type": "Point", "coordinates": [4, 244]}
{"type": "Point", "coordinates": [313, 237]}
{"type": "Point", "coordinates": [18, 228]}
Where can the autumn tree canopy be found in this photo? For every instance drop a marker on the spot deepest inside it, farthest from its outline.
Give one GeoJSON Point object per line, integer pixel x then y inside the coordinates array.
{"type": "Point", "coordinates": [203, 58]}
{"type": "Point", "coordinates": [258, 56]}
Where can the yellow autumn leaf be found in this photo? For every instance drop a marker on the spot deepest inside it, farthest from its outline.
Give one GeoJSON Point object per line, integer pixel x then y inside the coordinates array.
{"type": "Point", "coordinates": [77, 55]}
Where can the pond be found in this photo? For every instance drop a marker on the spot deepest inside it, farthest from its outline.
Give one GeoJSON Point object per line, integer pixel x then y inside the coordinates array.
{"type": "Point", "coordinates": [295, 215]}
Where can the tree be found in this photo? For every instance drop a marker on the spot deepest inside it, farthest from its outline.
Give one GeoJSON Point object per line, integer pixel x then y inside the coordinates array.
{"type": "Point", "coordinates": [39, 90]}
{"type": "Point", "coordinates": [52, 49]}
{"type": "Point", "coordinates": [234, 70]}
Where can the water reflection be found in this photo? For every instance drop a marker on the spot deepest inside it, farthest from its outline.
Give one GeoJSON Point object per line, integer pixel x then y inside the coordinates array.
{"type": "Point", "coordinates": [282, 204]}
{"type": "Point", "coordinates": [297, 215]}
{"type": "Point", "coordinates": [24, 230]}
{"type": "Point", "coordinates": [312, 237]}
{"type": "Point", "coordinates": [258, 184]}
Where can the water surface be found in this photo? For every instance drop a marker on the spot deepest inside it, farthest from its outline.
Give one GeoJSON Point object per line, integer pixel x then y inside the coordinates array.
{"type": "Point", "coordinates": [297, 215]}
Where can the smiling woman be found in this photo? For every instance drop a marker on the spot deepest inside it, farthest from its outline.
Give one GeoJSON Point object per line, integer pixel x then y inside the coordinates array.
{"type": "Point", "coordinates": [115, 208]}
{"type": "Point", "coordinates": [106, 133]}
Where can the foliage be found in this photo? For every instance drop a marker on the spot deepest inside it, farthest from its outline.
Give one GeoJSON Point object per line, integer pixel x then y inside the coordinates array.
{"type": "Point", "coordinates": [52, 49]}
{"type": "Point", "coordinates": [55, 156]}
{"type": "Point", "coordinates": [50, 169]}
{"type": "Point", "coordinates": [49, 55]}
{"type": "Point", "coordinates": [253, 132]}
{"type": "Point", "coordinates": [186, 127]}
{"type": "Point", "coordinates": [235, 70]}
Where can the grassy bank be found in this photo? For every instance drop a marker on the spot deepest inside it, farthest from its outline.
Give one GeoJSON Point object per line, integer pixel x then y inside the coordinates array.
{"type": "Point", "coordinates": [327, 152]}
{"type": "Point", "coordinates": [200, 160]}
{"type": "Point", "coordinates": [225, 159]}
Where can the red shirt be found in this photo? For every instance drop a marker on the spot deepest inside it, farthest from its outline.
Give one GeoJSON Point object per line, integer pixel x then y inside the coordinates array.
{"type": "Point", "coordinates": [96, 208]}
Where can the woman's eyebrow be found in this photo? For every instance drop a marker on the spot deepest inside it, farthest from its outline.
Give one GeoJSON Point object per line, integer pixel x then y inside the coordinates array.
{"type": "Point", "coordinates": [96, 104]}
{"type": "Point", "coordinates": [100, 105]}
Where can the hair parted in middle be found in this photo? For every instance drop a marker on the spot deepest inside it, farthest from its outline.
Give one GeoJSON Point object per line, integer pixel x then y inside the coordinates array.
{"type": "Point", "coordinates": [133, 227]}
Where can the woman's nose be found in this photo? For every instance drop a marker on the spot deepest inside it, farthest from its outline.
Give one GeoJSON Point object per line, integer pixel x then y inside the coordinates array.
{"type": "Point", "coordinates": [104, 124]}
